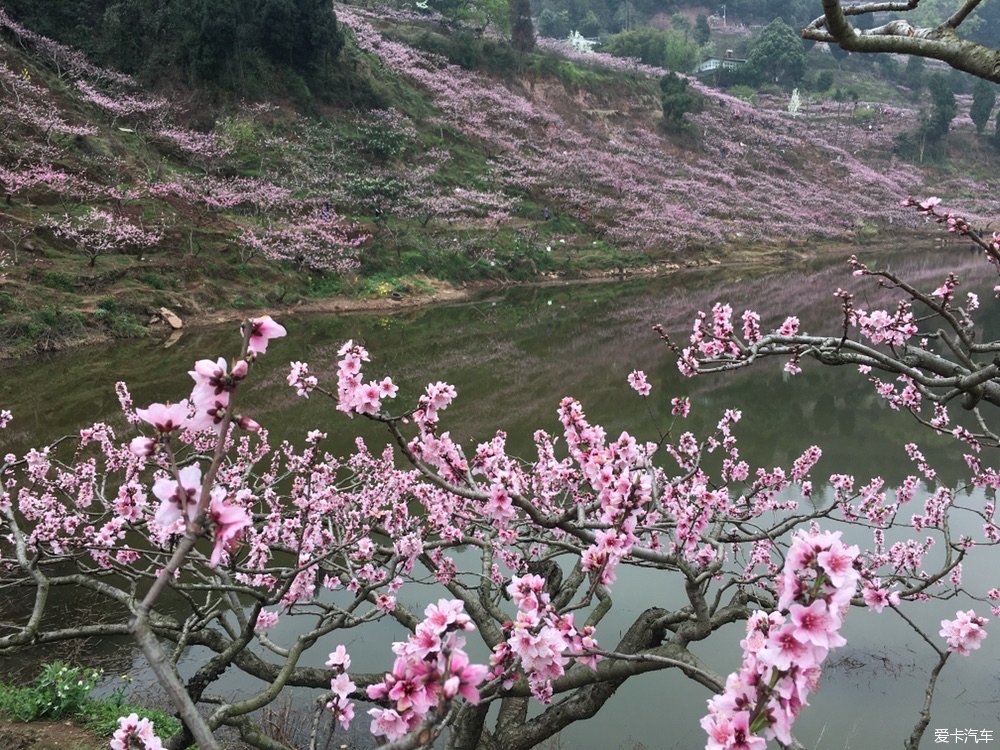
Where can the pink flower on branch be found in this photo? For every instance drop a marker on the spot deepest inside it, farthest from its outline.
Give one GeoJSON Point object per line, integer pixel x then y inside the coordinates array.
{"type": "Point", "coordinates": [166, 418]}
{"type": "Point", "coordinates": [177, 499]}
{"type": "Point", "coordinates": [226, 521]}
{"type": "Point", "coordinates": [262, 330]}
{"type": "Point", "coordinates": [782, 659]}
{"type": "Point", "coordinates": [965, 633]}
{"type": "Point", "coordinates": [637, 379]}
{"type": "Point", "coordinates": [431, 669]}
{"type": "Point", "coordinates": [134, 733]}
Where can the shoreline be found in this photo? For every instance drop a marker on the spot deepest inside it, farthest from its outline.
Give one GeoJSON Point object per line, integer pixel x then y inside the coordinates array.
{"type": "Point", "coordinates": [443, 293]}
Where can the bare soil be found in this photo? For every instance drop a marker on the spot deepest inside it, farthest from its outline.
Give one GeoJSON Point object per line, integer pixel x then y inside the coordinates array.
{"type": "Point", "coordinates": [49, 735]}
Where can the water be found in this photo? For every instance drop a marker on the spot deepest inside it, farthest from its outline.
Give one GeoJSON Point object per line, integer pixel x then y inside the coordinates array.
{"type": "Point", "coordinates": [513, 356]}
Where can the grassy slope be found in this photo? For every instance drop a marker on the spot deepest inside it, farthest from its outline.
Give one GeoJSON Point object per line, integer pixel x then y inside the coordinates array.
{"type": "Point", "coordinates": [724, 185]}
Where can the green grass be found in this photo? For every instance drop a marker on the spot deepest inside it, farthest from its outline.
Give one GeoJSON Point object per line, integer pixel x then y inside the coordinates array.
{"type": "Point", "coordinates": [62, 692]}
{"type": "Point", "coordinates": [101, 716]}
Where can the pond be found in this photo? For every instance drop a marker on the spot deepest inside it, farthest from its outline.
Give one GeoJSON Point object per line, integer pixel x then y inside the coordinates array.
{"type": "Point", "coordinates": [512, 356]}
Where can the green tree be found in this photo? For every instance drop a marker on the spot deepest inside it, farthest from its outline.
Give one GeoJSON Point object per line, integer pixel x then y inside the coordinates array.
{"type": "Point", "coordinates": [702, 31]}
{"type": "Point", "coordinates": [889, 67]}
{"type": "Point", "coordinates": [984, 96]}
{"type": "Point", "coordinates": [680, 22]}
{"type": "Point", "coordinates": [676, 99]}
{"type": "Point", "coordinates": [839, 53]}
{"type": "Point", "coordinates": [777, 56]}
{"type": "Point", "coordinates": [662, 49]}
{"type": "Point", "coordinates": [913, 76]}
{"type": "Point", "coordinates": [943, 110]}
{"type": "Point", "coordinates": [522, 32]}
{"type": "Point", "coordinates": [590, 25]}
{"type": "Point", "coordinates": [554, 23]}
{"type": "Point", "coordinates": [824, 80]}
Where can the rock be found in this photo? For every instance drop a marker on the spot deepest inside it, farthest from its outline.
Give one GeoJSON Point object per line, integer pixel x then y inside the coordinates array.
{"type": "Point", "coordinates": [172, 320]}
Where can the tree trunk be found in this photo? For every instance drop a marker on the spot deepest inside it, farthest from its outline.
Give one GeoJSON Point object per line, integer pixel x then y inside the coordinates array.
{"type": "Point", "coordinates": [513, 732]}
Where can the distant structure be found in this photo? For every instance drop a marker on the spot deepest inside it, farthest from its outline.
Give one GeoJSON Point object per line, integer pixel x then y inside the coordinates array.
{"type": "Point", "coordinates": [580, 43]}
{"type": "Point", "coordinates": [727, 62]}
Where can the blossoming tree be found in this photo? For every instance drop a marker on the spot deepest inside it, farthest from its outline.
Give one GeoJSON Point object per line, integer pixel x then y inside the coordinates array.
{"type": "Point", "coordinates": [520, 554]}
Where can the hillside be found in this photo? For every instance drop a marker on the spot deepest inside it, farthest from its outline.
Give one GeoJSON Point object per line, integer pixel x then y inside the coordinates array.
{"type": "Point", "coordinates": [119, 200]}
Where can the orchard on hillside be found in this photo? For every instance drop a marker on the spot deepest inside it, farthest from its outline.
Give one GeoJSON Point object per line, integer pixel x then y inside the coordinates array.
{"type": "Point", "coordinates": [519, 553]}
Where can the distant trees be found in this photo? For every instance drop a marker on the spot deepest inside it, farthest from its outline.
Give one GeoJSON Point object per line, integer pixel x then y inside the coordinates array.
{"type": "Point", "coordinates": [944, 109]}
{"type": "Point", "coordinates": [554, 23]}
{"type": "Point", "coordinates": [672, 49]}
{"type": "Point", "coordinates": [676, 98]}
{"type": "Point", "coordinates": [777, 56]}
{"type": "Point", "coordinates": [229, 42]}
{"type": "Point", "coordinates": [522, 32]}
{"type": "Point", "coordinates": [797, 12]}
{"type": "Point", "coordinates": [984, 96]}
{"type": "Point", "coordinates": [702, 31]}
{"type": "Point", "coordinates": [824, 81]}
{"type": "Point", "coordinates": [913, 76]}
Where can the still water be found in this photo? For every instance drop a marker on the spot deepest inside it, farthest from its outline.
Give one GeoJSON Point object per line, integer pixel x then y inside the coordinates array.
{"type": "Point", "coordinates": [513, 356]}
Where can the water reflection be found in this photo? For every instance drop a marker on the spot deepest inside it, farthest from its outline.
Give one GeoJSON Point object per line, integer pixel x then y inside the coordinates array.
{"type": "Point", "coordinates": [513, 356]}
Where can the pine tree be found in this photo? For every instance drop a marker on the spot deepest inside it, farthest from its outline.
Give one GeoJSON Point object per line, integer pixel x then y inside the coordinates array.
{"type": "Point", "coordinates": [984, 96]}
{"type": "Point", "coordinates": [522, 33]}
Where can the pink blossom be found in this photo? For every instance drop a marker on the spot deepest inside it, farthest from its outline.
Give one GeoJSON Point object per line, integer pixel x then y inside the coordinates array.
{"type": "Point", "coordinates": [177, 500]}
{"type": "Point", "coordinates": [816, 625]}
{"type": "Point", "coordinates": [965, 633]}
{"type": "Point", "coordinates": [731, 732]}
{"type": "Point", "coordinates": [227, 521]}
{"type": "Point", "coordinates": [263, 330]}
{"type": "Point", "coordinates": [790, 327]}
{"type": "Point", "coordinates": [266, 620]}
{"type": "Point", "coordinates": [637, 379]}
{"type": "Point", "coordinates": [464, 677]}
{"type": "Point", "coordinates": [166, 417]}
{"type": "Point", "coordinates": [342, 686]}
{"type": "Point", "coordinates": [680, 407]}
{"type": "Point", "coordinates": [339, 658]}
{"type": "Point", "coordinates": [344, 713]}
{"type": "Point", "coordinates": [143, 447]}
{"type": "Point", "coordinates": [878, 598]}
{"type": "Point", "coordinates": [387, 723]}
{"type": "Point", "coordinates": [134, 733]}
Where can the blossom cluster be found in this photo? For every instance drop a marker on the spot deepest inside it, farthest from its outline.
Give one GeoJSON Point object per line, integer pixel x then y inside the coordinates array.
{"type": "Point", "coordinates": [353, 395]}
{"type": "Point", "coordinates": [540, 640]}
{"type": "Point", "coordinates": [431, 668]}
{"type": "Point", "coordinates": [965, 633]}
{"type": "Point", "coordinates": [783, 653]}
{"type": "Point", "coordinates": [134, 733]}
{"type": "Point", "coordinates": [207, 411]}
{"type": "Point", "coordinates": [341, 687]}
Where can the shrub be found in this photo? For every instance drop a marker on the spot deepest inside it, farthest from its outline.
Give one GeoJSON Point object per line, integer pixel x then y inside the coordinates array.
{"type": "Point", "coordinates": [59, 691]}
{"type": "Point", "coordinates": [746, 93]}
{"type": "Point", "coordinates": [863, 115]}
{"type": "Point", "coordinates": [824, 81]}
{"type": "Point", "coordinates": [58, 280]}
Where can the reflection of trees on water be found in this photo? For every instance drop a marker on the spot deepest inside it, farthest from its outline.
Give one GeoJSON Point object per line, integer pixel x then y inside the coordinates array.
{"type": "Point", "coordinates": [512, 358]}
{"type": "Point", "coordinates": [113, 655]}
